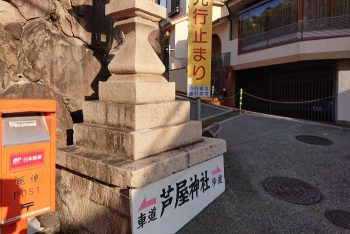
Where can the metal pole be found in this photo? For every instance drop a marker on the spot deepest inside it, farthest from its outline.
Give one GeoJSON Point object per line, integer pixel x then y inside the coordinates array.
{"type": "Point", "coordinates": [198, 100]}
{"type": "Point", "coordinates": [240, 99]}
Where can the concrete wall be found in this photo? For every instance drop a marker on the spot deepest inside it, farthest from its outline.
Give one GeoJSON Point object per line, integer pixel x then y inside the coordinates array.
{"type": "Point", "coordinates": [179, 76]}
{"type": "Point", "coordinates": [343, 91]}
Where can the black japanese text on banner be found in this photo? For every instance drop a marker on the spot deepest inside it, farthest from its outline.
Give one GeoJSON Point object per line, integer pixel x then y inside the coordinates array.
{"type": "Point", "coordinates": [167, 205]}
{"type": "Point", "coordinates": [199, 48]}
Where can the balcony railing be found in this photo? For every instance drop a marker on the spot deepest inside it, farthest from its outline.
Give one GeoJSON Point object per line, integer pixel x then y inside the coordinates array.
{"type": "Point", "coordinates": [338, 26]}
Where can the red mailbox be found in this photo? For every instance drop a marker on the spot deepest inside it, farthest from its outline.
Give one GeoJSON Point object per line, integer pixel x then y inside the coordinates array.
{"type": "Point", "coordinates": [28, 154]}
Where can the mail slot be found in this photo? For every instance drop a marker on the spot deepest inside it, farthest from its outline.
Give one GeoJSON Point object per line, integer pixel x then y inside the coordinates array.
{"type": "Point", "coordinates": [27, 151]}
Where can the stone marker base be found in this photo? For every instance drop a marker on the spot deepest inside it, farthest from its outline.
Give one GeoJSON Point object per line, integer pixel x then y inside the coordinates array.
{"type": "Point", "coordinates": [136, 117]}
{"type": "Point", "coordinates": [136, 92]}
{"type": "Point", "coordinates": [94, 188]}
{"type": "Point", "coordinates": [89, 206]}
{"type": "Point", "coordinates": [136, 144]}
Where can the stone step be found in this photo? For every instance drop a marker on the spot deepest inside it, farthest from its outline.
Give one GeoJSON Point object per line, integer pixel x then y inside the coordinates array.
{"type": "Point", "coordinates": [136, 144]}
{"type": "Point", "coordinates": [136, 92]}
{"type": "Point", "coordinates": [136, 117]}
{"type": "Point", "coordinates": [122, 172]}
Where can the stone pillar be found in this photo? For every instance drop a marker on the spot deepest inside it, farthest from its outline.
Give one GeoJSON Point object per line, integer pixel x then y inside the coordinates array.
{"type": "Point", "coordinates": [134, 135]}
{"type": "Point", "coordinates": [136, 62]}
{"type": "Point", "coordinates": [136, 101]}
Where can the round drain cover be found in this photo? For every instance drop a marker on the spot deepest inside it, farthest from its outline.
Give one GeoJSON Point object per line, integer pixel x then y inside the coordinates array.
{"type": "Point", "coordinates": [314, 140]}
{"type": "Point", "coordinates": [339, 217]}
{"type": "Point", "coordinates": [292, 190]}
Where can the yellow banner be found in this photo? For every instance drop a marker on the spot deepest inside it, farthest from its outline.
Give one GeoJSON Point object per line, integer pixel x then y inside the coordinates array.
{"type": "Point", "coordinates": [199, 48]}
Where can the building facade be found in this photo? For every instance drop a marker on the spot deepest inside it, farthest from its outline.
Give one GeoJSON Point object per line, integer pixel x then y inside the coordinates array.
{"type": "Point", "coordinates": [291, 57]}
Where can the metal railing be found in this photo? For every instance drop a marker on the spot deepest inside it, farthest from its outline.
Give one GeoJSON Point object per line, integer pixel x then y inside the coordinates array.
{"type": "Point", "coordinates": [338, 26]}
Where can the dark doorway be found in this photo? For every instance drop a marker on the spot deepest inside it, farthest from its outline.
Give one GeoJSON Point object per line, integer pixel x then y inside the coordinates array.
{"type": "Point", "coordinates": [216, 45]}
{"type": "Point", "coordinates": [293, 88]}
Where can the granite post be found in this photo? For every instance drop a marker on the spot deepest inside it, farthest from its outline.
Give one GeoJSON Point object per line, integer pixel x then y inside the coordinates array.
{"type": "Point", "coordinates": [134, 135]}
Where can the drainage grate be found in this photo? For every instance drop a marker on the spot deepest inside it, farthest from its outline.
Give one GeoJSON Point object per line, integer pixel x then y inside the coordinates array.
{"type": "Point", "coordinates": [314, 140]}
{"type": "Point", "coordinates": [339, 217]}
{"type": "Point", "coordinates": [292, 190]}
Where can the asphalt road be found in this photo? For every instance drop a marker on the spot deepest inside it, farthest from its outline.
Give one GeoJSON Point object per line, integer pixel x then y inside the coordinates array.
{"type": "Point", "coordinates": [261, 147]}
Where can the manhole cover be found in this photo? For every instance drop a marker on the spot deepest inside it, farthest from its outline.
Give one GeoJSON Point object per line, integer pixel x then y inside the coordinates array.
{"type": "Point", "coordinates": [314, 140]}
{"type": "Point", "coordinates": [339, 217]}
{"type": "Point", "coordinates": [292, 190]}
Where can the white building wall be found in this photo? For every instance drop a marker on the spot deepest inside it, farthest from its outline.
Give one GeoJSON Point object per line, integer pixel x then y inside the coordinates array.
{"type": "Point", "coordinates": [186, 5]}
{"type": "Point", "coordinates": [224, 11]}
{"type": "Point", "coordinates": [343, 91]}
{"type": "Point", "coordinates": [181, 35]}
{"type": "Point", "coordinates": [217, 12]}
{"type": "Point", "coordinates": [172, 38]}
{"type": "Point", "coordinates": [223, 31]}
{"type": "Point", "coordinates": [318, 47]}
{"type": "Point", "coordinates": [179, 76]}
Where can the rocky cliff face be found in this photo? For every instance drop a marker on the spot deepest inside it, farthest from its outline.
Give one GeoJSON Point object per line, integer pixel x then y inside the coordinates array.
{"type": "Point", "coordinates": [54, 49]}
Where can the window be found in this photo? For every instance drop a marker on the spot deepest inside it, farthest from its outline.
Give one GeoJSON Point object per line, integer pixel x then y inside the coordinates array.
{"type": "Point", "coordinates": [276, 22]}
{"type": "Point", "coordinates": [266, 17]}
{"type": "Point", "coordinates": [175, 4]}
{"type": "Point", "coordinates": [175, 7]}
{"type": "Point", "coordinates": [342, 7]}
{"type": "Point", "coordinates": [316, 9]}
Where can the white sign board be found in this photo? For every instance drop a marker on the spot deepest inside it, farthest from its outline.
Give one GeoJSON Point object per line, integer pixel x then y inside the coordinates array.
{"type": "Point", "coordinates": [167, 205]}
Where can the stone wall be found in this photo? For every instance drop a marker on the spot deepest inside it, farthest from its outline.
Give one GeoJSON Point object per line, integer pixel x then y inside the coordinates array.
{"type": "Point", "coordinates": [54, 49]}
{"type": "Point", "coordinates": [89, 206]}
